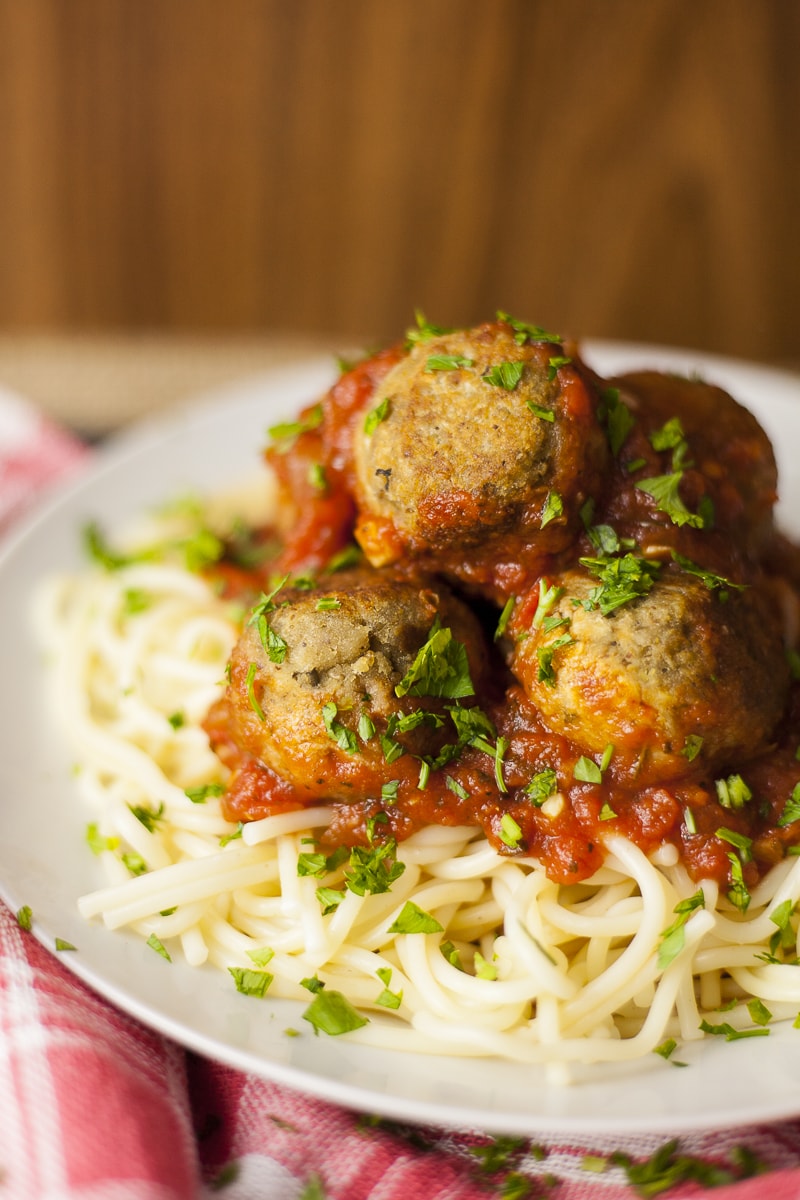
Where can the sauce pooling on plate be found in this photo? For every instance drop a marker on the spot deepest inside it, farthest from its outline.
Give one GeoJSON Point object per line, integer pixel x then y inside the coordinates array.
{"type": "Point", "coordinates": [510, 593]}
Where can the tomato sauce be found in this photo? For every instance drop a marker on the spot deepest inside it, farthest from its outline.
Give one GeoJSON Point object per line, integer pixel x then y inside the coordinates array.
{"type": "Point", "coordinates": [566, 823]}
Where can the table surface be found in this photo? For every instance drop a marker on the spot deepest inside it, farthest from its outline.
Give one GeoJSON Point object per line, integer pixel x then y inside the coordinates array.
{"type": "Point", "coordinates": [97, 384]}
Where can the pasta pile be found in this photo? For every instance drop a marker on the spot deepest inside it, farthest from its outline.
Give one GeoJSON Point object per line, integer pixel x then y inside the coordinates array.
{"type": "Point", "coordinates": [468, 952]}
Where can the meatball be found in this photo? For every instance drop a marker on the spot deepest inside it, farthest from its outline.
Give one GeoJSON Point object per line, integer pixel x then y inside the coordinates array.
{"type": "Point", "coordinates": [681, 674]}
{"type": "Point", "coordinates": [484, 441]}
{"type": "Point", "coordinates": [329, 686]}
{"type": "Point", "coordinates": [730, 460]}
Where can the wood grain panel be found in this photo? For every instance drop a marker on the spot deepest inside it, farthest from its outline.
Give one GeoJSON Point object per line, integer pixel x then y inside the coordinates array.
{"type": "Point", "coordinates": [611, 167]}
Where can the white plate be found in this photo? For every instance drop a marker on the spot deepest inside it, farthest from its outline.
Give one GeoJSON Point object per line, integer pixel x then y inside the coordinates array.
{"type": "Point", "coordinates": [44, 861]}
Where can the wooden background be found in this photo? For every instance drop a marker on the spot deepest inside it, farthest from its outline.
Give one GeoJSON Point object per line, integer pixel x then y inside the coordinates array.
{"type": "Point", "coordinates": [622, 168]}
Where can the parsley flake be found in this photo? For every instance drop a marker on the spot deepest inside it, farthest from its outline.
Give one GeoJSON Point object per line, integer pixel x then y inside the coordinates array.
{"type": "Point", "coordinates": [543, 784]}
{"type": "Point", "coordinates": [553, 508]}
{"type": "Point", "coordinates": [156, 944]}
{"type": "Point", "coordinates": [285, 434]}
{"type": "Point", "coordinates": [332, 1013]}
{"type": "Point", "coordinates": [525, 332]}
{"type": "Point", "coordinates": [510, 832]}
{"type": "Point", "coordinates": [505, 375]}
{"type": "Point", "coordinates": [376, 415]}
{"type": "Point", "coordinates": [249, 982]}
{"type": "Point", "coordinates": [664, 491]}
{"type": "Point", "coordinates": [623, 578]}
{"type": "Point", "coordinates": [448, 362]}
{"type": "Point", "coordinates": [413, 919]}
{"type": "Point", "coordinates": [441, 668]}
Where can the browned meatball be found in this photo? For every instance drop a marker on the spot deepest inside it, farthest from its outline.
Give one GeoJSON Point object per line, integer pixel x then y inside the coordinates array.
{"type": "Point", "coordinates": [330, 686]}
{"type": "Point", "coordinates": [484, 441]}
{"type": "Point", "coordinates": [681, 674]}
{"type": "Point", "coordinates": [729, 460]}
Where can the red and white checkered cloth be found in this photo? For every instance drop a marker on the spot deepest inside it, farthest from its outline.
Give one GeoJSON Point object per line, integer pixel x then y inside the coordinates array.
{"type": "Point", "coordinates": [95, 1106]}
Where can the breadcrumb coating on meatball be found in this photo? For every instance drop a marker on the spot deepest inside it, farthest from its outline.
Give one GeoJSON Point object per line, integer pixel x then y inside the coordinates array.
{"type": "Point", "coordinates": [674, 674]}
{"type": "Point", "coordinates": [317, 681]}
{"type": "Point", "coordinates": [473, 435]}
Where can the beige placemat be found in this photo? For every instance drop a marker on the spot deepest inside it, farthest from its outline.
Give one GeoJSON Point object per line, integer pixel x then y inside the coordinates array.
{"type": "Point", "coordinates": [95, 385]}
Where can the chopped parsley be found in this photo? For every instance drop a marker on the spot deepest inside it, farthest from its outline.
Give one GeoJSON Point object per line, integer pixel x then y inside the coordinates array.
{"type": "Point", "coordinates": [510, 832]}
{"type": "Point", "coordinates": [668, 1167]}
{"type": "Point", "coordinates": [329, 899]}
{"type": "Point", "coordinates": [207, 791]}
{"type": "Point", "coordinates": [667, 1049]}
{"type": "Point", "coordinates": [373, 869]}
{"type": "Point", "coordinates": [413, 919]}
{"type": "Point", "coordinates": [543, 784]}
{"type": "Point", "coordinates": [671, 437]}
{"type": "Point", "coordinates": [738, 893]}
{"type": "Point", "coordinates": [525, 332]}
{"type": "Point", "coordinates": [505, 375]}
{"type": "Point", "coordinates": [425, 330]}
{"type": "Point", "coordinates": [156, 944]}
{"type": "Point", "coordinates": [743, 844]}
{"type": "Point", "coordinates": [546, 672]}
{"type": "Point", "coordinates": [759, 1013]}
{"type": "Point", "coordinates": [664, 491]}
{"type": "Point", "coordinates": [448, 362]}
{"type": "Point", "coordinates": [376, 415]}
{"type": "Point", "coordinates": [441, 668]}
{"type": "Point", "coordinates": [791, 810]}
{"type": "Point", "coordinates": [586, 770]}
{"type": "Point", "coordinates": [450, 953]}
{"type": "Point", "coordinates": [553, 508]}
{"type": "Point", "coordinates": [366, 727]}
{"type": "Point", "coordinates": [274, 645]}
{"type": "Point", "coordinates": [724, 1029]}
{"type": "Point", "coordinates": [616, 419]}
{"type": "Point", "coordinates": [389, 791]}
{"type": "Point", "coordinates": [227, 838]}
{"type": "Point", "coordinates": [673, 938]}
{"type": "Point", "coordinates": [554, 363]}
{"type": "Point", "coordinates": [539, 410]}
{"type": "Point", "coordinates": [25, 918]}
{"type": "Point", "coordinates": [261, 956]}
{"type": "Point", "coordinates": [692, 746]}
{"type": "Point", "coordinates": [505, 617]}
{"type": "Point", "coordinates": [784, 938]}
{"type": "Point", "coordinates": [712, 581]}
{"type": "Point", "coordinates": [732, 792]}
{"type": "Point", "coordinates": [332, 1013]}
{"type": "Point", "coordinates": [345, 738]}
{"type": "Point", "coordinates": [286, 433]}
{"type": "Point", "coordinates": [623, 578]}
{"type": "Point", "coordinates": [250, 982]}
{"type": "Point", "coordinates": [250, 686]}
{"type": "Point", "coordinates": [99, 550]}
{"type": "Point", "coordinates": [96, 842]}
{"type": "Point", "coordinates": [549, 595]}
{"type": "Point", "coordinates": [483, 968]}
{"type": "Point", "coordinates": [134, 863]}
{"type": "Point", "coordinates": [147, 816]}
{"type": "Point", "coordinates": [456, 788]}
{"type": "Point", "coordinates": [387, 998]}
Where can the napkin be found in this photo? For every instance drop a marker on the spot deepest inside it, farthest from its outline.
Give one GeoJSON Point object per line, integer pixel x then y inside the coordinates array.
{"type": "Point", "coordinates": [94, 1105]}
